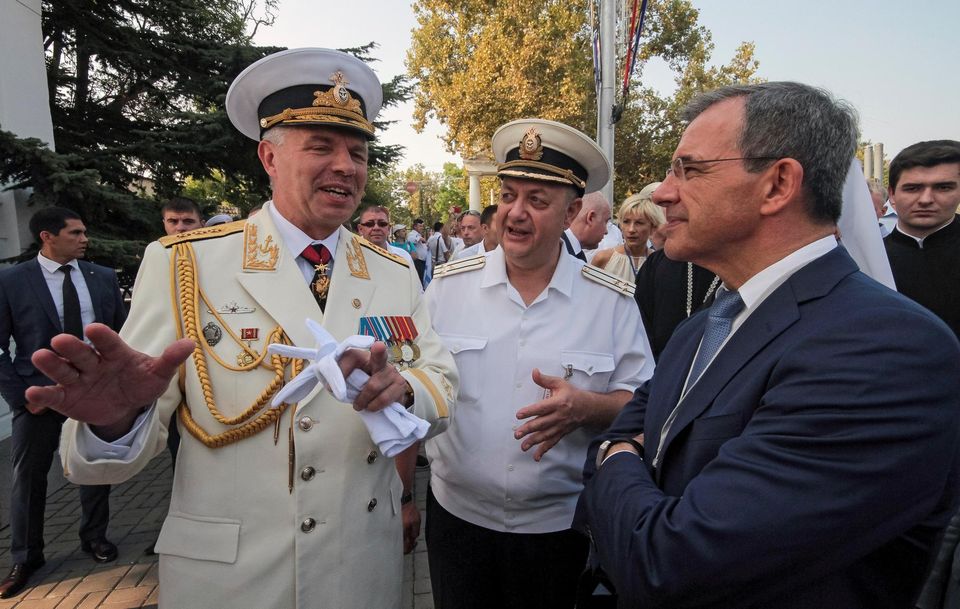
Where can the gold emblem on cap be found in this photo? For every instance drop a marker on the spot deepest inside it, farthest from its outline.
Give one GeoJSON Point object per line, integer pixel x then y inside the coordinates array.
{"type": "Point", "coordinates": [338, 95]}
{"type": "Point", "coordinates": [340, 92]}
{"type": "Point", "coordinates": [531, 146]}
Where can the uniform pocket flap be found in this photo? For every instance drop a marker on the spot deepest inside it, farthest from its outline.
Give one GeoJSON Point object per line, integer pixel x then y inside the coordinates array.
{"type": "Point", "coordinates": [455, 343]}
{"type": "Point", "coordinates": [200, 537]}
{"type": "Point", "coordinates": [587, 361]}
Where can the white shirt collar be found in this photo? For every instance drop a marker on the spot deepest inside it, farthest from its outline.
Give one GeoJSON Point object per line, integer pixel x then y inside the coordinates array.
{"type": "Point", "coordinates": [52, 266]}
{"type": "Point", "coordinates": [574, 242]}
{"type": "Point", "coordinates": [495, 271]}
{"type": "Point", "coordinates": [757, 288]}
{"type": "Point", "coordinates": [295, 239]}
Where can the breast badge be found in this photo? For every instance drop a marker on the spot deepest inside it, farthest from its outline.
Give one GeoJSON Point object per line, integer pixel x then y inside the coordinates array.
{"type": "Point", "coordinates": [212, 333]}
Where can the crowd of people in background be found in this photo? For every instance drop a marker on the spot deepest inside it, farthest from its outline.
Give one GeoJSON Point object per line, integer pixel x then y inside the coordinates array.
{"type": "Point", "coordinates": [702, 403]}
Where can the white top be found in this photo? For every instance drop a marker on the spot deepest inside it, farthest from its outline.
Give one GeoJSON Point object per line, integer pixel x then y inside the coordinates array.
{"type": "Point", "coordinates": [456, 244]}
{"type": "Point", "coordinates": [437, 249]}
{"type": "Point", "coordinates": [54, 279]}
{"type": "Point", "coordinates": [474, 250]}
{"type": "Point", "coordinates": [416, 239]}
{"type": "Point", "coordinates": [478, 471]}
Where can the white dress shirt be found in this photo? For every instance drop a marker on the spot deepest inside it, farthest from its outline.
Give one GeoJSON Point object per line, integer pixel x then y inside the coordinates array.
{"type": "Point", "coordinates": [295, 240]}
{"type": "Point", "coordinates": [575, 328]}
{"type": "Point", "coordinates": [54, 279]}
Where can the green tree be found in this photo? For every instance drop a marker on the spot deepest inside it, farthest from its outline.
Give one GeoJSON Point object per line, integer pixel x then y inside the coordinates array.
{"type": "Point", "coordinates": [480, 64]}
{"type": "Point", "coordinates": [137, 95]}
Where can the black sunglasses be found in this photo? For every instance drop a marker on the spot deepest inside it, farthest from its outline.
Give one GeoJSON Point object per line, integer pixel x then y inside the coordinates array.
{"type": "Point", "coordinates": [372, 223]}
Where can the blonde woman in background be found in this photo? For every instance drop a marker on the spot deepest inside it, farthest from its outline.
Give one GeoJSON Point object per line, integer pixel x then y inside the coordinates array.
{"type": "Point", "coordinates": [639, 217]}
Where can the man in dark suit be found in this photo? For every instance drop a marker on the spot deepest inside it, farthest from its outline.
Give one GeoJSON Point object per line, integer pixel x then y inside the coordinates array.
{"type": "Point", "coordinates": [52, 293]}
{"type": "Point", "coordinates": [588, 228]}
{"type": "Point", "coordinates": [800, 435]}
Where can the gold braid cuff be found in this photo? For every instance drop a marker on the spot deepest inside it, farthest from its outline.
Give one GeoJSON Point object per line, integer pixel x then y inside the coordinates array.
{"type": "Point", "coordinates": [563, 175]}
{"type": "Point", "coordinates": [183, 262]}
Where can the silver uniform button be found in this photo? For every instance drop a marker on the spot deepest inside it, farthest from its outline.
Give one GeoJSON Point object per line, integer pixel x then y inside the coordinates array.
{"type": "Point", "coordinates": [308, 473]}
{"type": "Point", "coordinates": [308, 525]}
{"type": "Point", "coordinates": [306, 423]}
{"type": "Point", "coordinates": [372, 456]}
{"type": "Point", "coordinates": [372, 505]}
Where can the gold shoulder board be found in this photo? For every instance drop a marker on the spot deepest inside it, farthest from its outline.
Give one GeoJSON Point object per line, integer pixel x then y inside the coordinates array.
{"type": "Point", "coordinates": [199, 234]}
{"type": "Point", "coordinates": [463, 265]}
{"type": "Point", "coordinates": [606, 279]}
{"type": "Point", "coordinates": [376, 249]}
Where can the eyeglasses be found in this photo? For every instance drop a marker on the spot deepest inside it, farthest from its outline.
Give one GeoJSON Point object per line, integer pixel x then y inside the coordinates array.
{"type": "Point", "coordinates": [678, 165]}
{"type": "Point", "coordinates": [372, 223]}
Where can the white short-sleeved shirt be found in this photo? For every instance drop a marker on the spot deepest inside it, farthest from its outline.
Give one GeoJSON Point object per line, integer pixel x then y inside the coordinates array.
{"type": "Point", "coordinates": [576, 327]}
{"type": "Point", "coordinates": [419, 244]}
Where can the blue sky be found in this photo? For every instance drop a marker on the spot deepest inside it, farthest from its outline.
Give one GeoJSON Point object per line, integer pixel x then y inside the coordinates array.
{"type": "Point", "coordinates": [896, 62]}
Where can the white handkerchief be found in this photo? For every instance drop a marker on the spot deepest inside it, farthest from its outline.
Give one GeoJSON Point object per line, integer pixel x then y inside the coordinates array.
{"type": "Point", "coordinates": [393, 429]}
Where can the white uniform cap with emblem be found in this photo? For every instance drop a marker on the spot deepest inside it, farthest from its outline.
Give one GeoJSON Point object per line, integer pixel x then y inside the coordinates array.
{"type": "Point", "coordinates": [308, 86]}
{"type": "Point", "coordinates": [536, 149]}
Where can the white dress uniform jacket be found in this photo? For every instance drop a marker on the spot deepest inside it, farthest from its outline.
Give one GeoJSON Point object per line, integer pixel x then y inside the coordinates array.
{"type": "Point", "coordinates": [238, 534]}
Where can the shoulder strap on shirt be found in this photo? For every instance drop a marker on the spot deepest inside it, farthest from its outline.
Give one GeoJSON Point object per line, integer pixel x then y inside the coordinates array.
{"type": "Point", "coordinates": [460, 266]}
{"type": "Point", "coordinates": [607, 280]}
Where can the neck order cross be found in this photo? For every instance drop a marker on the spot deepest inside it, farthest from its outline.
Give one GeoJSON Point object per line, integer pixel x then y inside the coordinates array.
{"type": "Point", "coordinates": [319, 256]}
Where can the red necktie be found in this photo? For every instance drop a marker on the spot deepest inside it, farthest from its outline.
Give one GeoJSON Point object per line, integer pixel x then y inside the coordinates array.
{"type": "Point", "coordinates": [319, 257]}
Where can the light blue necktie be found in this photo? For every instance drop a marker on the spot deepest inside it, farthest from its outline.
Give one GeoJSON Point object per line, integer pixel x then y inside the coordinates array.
{"type": "Point", "coordinates": [725, 307]}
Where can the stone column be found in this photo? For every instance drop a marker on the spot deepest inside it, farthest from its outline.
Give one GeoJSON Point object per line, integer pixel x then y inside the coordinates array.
{"type": "Point", "coordinates": [25, 111]}
{"type": "Point", "coordinates": [24, 108]}
{"type": "Point", "coordinates": [477, 168]}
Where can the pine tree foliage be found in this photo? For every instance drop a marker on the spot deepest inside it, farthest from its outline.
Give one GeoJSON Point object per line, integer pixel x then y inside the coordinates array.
{"type": "Point", "coordinates": [137, 90]}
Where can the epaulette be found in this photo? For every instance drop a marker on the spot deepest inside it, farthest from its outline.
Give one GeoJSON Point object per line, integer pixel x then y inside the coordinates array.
{"type": "Point", "coordinates": [462, 265]}
{"type": "Point", "coordinates": [376, 249]}
{"type": "Point", "coordinates": [207, 232]}
{"type": "Point", "coordinates": [611, 281]}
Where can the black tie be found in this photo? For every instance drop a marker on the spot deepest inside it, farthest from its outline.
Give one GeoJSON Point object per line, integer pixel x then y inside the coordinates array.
{"type": "Point", "coordinates": [72, 322]}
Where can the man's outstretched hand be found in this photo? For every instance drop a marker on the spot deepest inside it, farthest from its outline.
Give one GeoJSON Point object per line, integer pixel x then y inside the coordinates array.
{"type": "Point", "coordinates": [105, 385]}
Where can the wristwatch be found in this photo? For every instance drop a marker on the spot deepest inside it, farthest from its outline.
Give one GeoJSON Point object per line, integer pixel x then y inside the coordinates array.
{"type": "Point", "coordinates": [406, 498]}
{"type": "Point", "coordinates": [606, 444]}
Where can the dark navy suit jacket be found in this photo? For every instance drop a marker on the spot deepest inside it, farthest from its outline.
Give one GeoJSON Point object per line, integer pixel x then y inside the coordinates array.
{"type": "Point", "coordinates": [29, 316]}
{"type": "Point", "coordinates": [813, 465]}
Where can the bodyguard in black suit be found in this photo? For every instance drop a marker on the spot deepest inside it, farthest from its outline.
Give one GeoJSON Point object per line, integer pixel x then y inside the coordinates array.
{"type": "Point", "coordinates": [39, 299]}
{"type": "Point", "coordinates": [800, 436]}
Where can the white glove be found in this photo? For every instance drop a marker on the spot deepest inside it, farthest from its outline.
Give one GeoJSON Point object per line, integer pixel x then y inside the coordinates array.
{"type": "Point", "coordinates": [393, 429]}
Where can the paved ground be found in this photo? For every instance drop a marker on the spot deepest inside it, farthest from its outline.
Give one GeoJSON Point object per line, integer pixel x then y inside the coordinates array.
{"type": "Point", "coordinates": [71, 580]}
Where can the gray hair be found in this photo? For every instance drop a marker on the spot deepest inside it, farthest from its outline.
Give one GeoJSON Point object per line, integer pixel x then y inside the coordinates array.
{"type": "Point", "coordinates": [797, 121]}
{"type": "Point", "coordinates": [275, 136]}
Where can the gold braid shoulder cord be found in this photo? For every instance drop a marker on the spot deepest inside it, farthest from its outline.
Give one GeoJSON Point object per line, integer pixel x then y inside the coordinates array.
{"type": "Point", "coordinates": [187, 294]}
